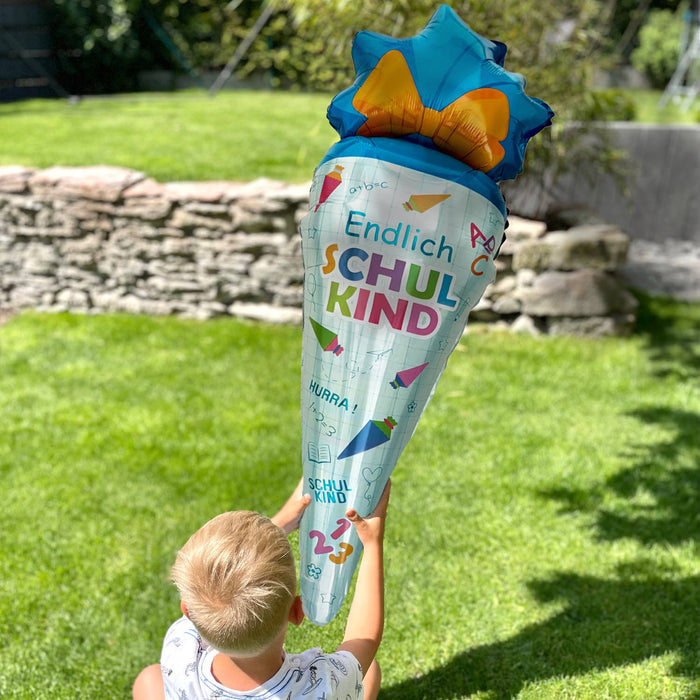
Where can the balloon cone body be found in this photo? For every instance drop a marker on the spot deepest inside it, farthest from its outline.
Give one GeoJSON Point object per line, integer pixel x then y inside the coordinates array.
{"type": "Point", "coordinates": [395, 287]}
{"type": "Point", "coordinates": [405, 222]}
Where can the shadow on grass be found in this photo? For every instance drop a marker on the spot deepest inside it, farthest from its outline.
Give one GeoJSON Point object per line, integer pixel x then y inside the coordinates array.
{"type": "Point", "coordinates": [672, 333]}
{"type": "Point", "coordinates": [646, 610]}
{"type": "Point", "coordinates": [605, 624]}
{"type": "Point", "coordinates": [655, 500]}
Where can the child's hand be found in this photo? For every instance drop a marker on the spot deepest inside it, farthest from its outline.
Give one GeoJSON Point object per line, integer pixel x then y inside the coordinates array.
{"type": "Point", "coordinates": [290, 513]}
{"type": "Point", "coordinates": [371, 529]}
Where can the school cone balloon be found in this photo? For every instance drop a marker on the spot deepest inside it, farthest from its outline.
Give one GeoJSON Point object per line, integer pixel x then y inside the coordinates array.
{"type": "Point", "coordinates": [405, 221]}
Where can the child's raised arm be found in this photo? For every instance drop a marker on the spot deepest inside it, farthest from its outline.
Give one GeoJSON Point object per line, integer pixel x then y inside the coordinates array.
{"type": "Point", "coordinates": [365, 625]}
{"type": "Point", "coordinates": [290, 513]}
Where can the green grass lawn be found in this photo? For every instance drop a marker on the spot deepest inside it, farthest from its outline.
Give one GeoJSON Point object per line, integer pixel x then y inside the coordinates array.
{"type": "Point", "coordinates": [238, 135]}
{"type": "Point", "coordinates": [542, 541]}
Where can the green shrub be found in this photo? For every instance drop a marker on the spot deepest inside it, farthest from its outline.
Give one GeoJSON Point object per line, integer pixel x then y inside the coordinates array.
{"type": "Point", "coordinates": [610, 105]}
{"type": "Point", "coordinates": [659, 46]}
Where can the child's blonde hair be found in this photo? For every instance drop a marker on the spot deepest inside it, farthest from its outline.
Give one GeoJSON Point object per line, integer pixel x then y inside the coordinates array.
{"type": "Point", "coordinates": [237, 579]}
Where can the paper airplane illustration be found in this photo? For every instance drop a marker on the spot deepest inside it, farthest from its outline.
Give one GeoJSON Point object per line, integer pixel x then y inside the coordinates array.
{"type": "Point", "coordinates": [423, 202]}
{"type": "Point", "coordinates": [330, 183]}
{"type": "Point", "coordinates": [406, 377]}
{"type": "Point", "coordinates": [327, 338]}
{"type": "Point", "coordinates": [374, 433]}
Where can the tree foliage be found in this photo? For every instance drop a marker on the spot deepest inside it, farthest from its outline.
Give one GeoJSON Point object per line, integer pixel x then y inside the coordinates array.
{"type": "Point", "coordinates": [306, 45]}
{"type": "Point", "coordinates": [556, 45]}
{"type": "Point", "coordinates": [659, 46]}
{"type": "Point", "coordinates": [95, 44]}
{"type": "Point", "coordinates": [103, 44]}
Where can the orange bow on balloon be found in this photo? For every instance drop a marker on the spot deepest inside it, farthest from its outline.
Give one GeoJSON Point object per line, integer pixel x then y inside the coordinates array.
{"type": "Point", "coordinates": [469, 129]}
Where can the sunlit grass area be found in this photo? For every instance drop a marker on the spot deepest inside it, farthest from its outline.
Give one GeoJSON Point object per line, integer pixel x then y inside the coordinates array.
{"type": "Point", "coordinates": [237, 135]}
{"type": "Point", "coordinates": [542, 538]}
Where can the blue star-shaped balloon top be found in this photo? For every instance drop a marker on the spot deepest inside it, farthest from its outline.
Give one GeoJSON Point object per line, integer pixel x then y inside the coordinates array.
{"type": "Point", "coordinates": [444, 88]}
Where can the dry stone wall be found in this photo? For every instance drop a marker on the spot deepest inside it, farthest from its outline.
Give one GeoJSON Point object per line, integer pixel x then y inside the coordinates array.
{"type": "Point", "coordinates": [560, 282]}
{"type": "Point", "coordinates": [107, 239]}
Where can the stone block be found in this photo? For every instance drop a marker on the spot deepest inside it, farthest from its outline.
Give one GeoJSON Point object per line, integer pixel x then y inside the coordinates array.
{"type": "Point", "coordinates": [214, 191]}
{"type": "Point", "coordinates": [202, 311]}
{"type": "Point", "coordinates": [187, 220]}
{"type": "Point", "coordinates": [255, 189]}
{"type": "Point", "coordinates": [14, 178]}
{"type": "Point", "coordinates": [275, 271]}
{"type": "Point", "coordinates": [592, 326]}
{"type": "Point", "coordinates": [566, 215]}
{"type": "Point", "coordinates": [40, 259]}
{"type": "Point", "coordinates": [503, 285]}
{"type": "Point", "coordinates": [292, 295]}
{"type": "Point", "coordinates": [525, 277]}
{"type": "Point", "coordinates": [31, 292]}
{"type": "Point", "coordinates": [266, 313]}
{"type": "Point", "coordinates": [90, 244]}
{"type": "Point", "coordinates": [584, 247]}
{"type": "Point", "coordinates": [234, 264]}
{"type": "Point", "coordinates": [262, 205]}
{"type": "Point", "coordinates": [72, 300]}
{"type": "Point", "coordinates": [575, 294]}
{"type": "Point", "coordinates": [99, 182]}
{"type": "Point", "coordinates": [295, 195]}
{"type": "Point", "coordinates": [243, 289]}
{"type": "Point", "coordinates": [180, 247]}
{"type": "Point", "coordinates": [211, 209]}
{"type": "Point", "coordinates": [88, 209]}
{"type": "Point", "coordinates": [146, 208]}
{"type": "Point", "coordinates": [520, 229]}
{"type": "Point", "coordinates": [255, 243]}
{"type": "Point", "coordinates": [526, 325]}
{"type": "Point", "coordinates": [507, 305]}
{"type": "Point", "coordinates": [147, 187]}
{"type": "Point", "coordinates": [258, 222]}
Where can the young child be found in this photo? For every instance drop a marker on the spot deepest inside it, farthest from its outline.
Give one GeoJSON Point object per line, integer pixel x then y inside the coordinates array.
{"type": "Point", "coordinates": [237, 585]}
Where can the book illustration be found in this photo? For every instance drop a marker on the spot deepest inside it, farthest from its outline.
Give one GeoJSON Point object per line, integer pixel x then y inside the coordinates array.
{"type": "Point", "coordinates": [373, 434]}
{"type": "Point", "coordinates": [321, 454]}
{"type": "Point", "coordinates": [406, 377]}
{"type": "Point", "coordinates": [422, 202]}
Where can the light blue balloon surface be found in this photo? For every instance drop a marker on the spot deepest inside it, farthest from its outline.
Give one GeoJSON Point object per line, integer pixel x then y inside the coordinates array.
{"type": "Point", "coordinates": [398, 246]}
{"type": "Point", "coordinates": [394, 260]}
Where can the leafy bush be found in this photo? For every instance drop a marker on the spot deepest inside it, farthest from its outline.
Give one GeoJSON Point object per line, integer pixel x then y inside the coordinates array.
{"type": "Point", "coordinates": [659, 46]}
{"type": "Point", "coordinates": [610, 105]}
{"type": "Point", "coordinates": [95, 44]}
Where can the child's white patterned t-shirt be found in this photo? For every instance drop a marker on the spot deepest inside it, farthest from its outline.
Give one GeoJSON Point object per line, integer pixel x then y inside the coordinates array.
{"type": "Point", "coordinates": [312, 675]}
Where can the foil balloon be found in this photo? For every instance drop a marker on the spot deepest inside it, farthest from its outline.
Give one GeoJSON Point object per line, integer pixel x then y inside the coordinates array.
{"type": "Point", "coordinates": [405, 221]}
